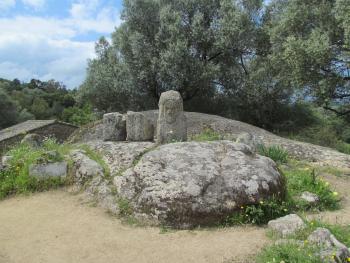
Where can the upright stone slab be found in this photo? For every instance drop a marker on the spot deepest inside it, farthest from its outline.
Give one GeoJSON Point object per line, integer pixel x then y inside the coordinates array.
{"type": "Point", "coordinates": [43, 171]}
{"type": "Point", "coordinates": [171, 124]}
{"type": "Point", "coordinates": [114, 127]}
{"type": "Point", "coordinates": [138, 127]}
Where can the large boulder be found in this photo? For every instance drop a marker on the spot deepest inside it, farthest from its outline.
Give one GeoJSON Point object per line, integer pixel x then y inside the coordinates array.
{"type": "Point", "coordinates": [114, 127]}
{"type": "Point", "coordinates": [171, 124]}
{"type": "Point", "coordinates": [138, 127]}
{"type": "Point", "coordinates": [192, 183]}
{"type": "Point", "coordinates": [249, 139]}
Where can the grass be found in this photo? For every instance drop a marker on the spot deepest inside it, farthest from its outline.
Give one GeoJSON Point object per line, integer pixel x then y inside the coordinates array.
{"type": "Point", "coordinates": [276, 153]}
{"type": "Point", "coordinates": [292, 252]}
{"type": "Point", "coordinates": [16, 179]}
{"type": "Point", "coordinates": [207, 134]}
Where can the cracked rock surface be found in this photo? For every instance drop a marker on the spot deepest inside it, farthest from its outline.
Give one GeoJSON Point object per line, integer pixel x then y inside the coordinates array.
{"type": "Point", "coordinates": [197, 183]}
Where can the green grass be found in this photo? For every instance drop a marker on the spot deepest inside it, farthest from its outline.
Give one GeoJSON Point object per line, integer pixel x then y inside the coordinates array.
{"type": "Point", "coordinates": [276, 153]}
{"type": "Point", "coordinates": [16, 179]}
{"type": "Point", "coordinates": [306, 179]}
{"type": "Point", "coordinates": [288, 253]}
{"type": "Point", "coordinates": [207, 134]}
{"type": "Point", "coordinates": [295, 253]}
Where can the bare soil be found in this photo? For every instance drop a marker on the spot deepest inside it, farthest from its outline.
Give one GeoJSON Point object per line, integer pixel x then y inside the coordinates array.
{"type": "Point", "coordinates": [55, 227]}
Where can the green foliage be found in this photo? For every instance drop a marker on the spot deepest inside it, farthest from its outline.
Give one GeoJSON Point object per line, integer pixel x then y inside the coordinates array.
{"type": "Point", "coordinates": [125, 208]}
{"type": "Point", "coordinates": [260, 213]}
{"type": "Point", "coordinates": [207, 134]}
{"type": "Point", "coordinates": [288, 253]}
{"type": "Point", "coordinates": [276, 153]}
{"type": "Point", "coordinates": [8, 110]}
{"type": "Point", "coordinates": [301, 180]}
{"type": "Point", "coordinates": [79, 116]}
{"type": "Point", "coordinates": [16, 179]}
{"type": "Point", "coordinates": [292, 252]}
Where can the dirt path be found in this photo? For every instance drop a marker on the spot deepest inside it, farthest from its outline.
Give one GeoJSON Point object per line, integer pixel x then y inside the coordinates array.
{"type": "Point", "coordinates": [342, 186]}
{"type": "Point", "coordinates": [54, 227]}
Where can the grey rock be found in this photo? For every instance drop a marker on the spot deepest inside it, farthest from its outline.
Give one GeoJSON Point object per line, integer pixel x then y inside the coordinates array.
{"type": "Point", "coordinates": [84, 168]}
{"type": "Point", "coordinates": [310, 198]}
{"type": "Point", "coordinates": [287, 225]}
{"type": "Point", "coordinates": [33, 140]}
{"type": "Point", "coordinates": [331, 249]}
{"type": "Point", "coordinates": [171, 124]}
{"type": "Point", "coordinates": [120, 155]}
{"type": "Point", "coordinates": [58, 169]}
{"type": "Point", "coordinates": [193, 183]}
{"type": "Point", "coordinates": [249, 139]}
{"type": "Point", "coordinates": [5, 160]}
{"type": "Point", "coordinates": [114, 127]}
{"type": "Point", "coordinates": [138, 127]}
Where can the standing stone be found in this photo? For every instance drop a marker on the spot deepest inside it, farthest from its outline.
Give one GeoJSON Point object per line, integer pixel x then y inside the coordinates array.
{"type": "Point", "coordinates": [138, 127]}
{"type": "Point", "coordinates": [171, 124]}
{"type": "Point", "coordinates": [114, 127]}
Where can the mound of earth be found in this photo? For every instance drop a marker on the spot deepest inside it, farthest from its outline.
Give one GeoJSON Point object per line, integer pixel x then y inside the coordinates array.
{"type": "Point", "coordinates": [189, 184]}
{"type": "Point", "coordinates": [231, 129]}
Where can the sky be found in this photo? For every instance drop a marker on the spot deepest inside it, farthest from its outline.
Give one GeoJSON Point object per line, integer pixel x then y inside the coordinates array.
{"type": "Point", "coordinates": [53, 39]}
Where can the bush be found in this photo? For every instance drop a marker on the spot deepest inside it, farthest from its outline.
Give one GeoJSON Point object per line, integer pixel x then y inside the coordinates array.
{"type": "Point", "coordinates": [16, 179]}
{"type": "Point", "coordinates": [79, 116]}
{"type": "Point", "coordinates": [276, 153]}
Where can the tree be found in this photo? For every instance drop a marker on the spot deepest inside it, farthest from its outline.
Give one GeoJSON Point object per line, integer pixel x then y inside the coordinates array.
{"type": "Point", "coordinates": [311, 45]}
{"type": "Point", "coordinates": [8, 110]}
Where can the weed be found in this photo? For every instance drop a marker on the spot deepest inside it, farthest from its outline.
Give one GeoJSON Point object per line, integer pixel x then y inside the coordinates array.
{"type": "Point", "coordinates": [276, 153]}
{"type": "Point", "coordinates": [208, 134]}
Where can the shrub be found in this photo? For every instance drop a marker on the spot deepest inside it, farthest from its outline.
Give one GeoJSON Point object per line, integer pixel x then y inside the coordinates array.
{"type": "Point", "coordinates": [260, 213]}
{"type": "Point", "coordinates": [79, 116]}
{"type": "Point", "coordinates": [16, 179]}
{"type": "Point", "coordinates": [276, 153]}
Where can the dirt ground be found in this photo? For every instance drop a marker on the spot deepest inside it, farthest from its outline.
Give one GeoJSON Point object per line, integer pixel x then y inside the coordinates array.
{"type": "Point", "coordinates": [54, 227]}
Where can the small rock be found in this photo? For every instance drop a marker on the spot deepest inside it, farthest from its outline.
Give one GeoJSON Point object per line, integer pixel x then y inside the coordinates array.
{"type": "Point", "coordinates": [33, 140]}
{"type": "Point", "coordinates": [331, 249]}
{"type": "Point", "coordinates": [58, 169]}
{"type": "Point", "coordinates": [287, 225]}
{"type": "Point", "coordinates": [5, 160]}
{"type": "Point", "coordinates": [138, 127]}
{"type": "Point", "coordinates": [310, 198]}
{"type": "Point", "coordinates": [249, 139]}
{"type": "Point", "coordinates": [114, 127]}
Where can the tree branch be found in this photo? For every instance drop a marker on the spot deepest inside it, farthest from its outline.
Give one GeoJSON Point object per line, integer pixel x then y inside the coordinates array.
{"type": "Point", "coordinates": [339, 113]}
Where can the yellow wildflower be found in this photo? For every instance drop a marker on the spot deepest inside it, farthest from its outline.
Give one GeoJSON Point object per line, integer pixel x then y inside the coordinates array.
{"type": "Point", "coordinates": [335, 193]}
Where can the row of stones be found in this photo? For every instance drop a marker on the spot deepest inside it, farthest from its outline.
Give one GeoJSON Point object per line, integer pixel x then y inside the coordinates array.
{"type": "Point", "coordinates": [135, 126]}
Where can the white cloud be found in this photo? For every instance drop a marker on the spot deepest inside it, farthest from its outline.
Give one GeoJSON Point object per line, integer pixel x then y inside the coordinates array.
{"type": "Point", "coordinates": [46, 48]}
{"type": "Point", "coordinates": [7, 4]}
{"type": "Point", "coordinates": [37, 4]}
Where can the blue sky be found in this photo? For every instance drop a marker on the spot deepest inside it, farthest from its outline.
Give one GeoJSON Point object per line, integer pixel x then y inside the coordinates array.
{"type": "Point", "coordinates": [53, 39]}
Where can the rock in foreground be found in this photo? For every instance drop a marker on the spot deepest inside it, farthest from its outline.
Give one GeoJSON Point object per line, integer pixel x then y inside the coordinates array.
{"type": "Point", "coordinates": [189, 184]}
